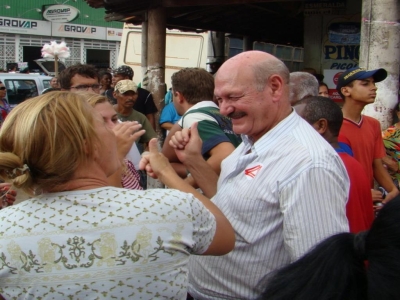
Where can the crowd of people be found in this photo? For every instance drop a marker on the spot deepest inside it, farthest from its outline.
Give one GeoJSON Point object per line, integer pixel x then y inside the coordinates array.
{"type": "Point", "coordinates": [269, 188]}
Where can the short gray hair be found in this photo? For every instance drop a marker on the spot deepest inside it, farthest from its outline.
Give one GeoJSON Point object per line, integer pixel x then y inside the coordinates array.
{"type": "Point", "coordinates": [302, 85]}
{"type": "Point", "coordinates": [264, 69]}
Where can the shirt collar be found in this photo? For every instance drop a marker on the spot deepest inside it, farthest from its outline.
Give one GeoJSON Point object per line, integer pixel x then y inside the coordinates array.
{"type": "Point", "coordinates": [286, 125]}
{"type": "Point", "coordinates": [201, 104]}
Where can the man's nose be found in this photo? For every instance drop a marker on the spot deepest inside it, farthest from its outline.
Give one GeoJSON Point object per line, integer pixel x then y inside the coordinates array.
{"type": "Point", "coordinates": [224, 108]}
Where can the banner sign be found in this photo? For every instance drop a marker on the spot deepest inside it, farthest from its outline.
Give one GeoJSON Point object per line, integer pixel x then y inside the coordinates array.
{"type": "Point", "coordinates": [341, 49]}
{"type": "Point", "coordinates": [24, 26]}
{"type": "Point", "coordinates": [78, 31]}
{"type": "Point", "coordinates": [331, 78]}
{"type": "Point", "coordinates": [114, 34]}
{"type": "Point", "coordinates": [45, 28]}
{"type": "Point", "coordinates": [60, 13]}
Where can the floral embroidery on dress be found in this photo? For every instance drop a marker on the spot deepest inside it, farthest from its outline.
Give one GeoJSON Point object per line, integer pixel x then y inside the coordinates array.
{"type": "Point", "coordinates": [108, 243]}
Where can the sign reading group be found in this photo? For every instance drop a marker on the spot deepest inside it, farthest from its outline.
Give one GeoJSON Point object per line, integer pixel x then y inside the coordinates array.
{"type": "Point", "coordinates": [60, 13]}
{"type": "Point", "coordinates": [21, 26]}
{"type": "Point", "coordinates": [56, 29]}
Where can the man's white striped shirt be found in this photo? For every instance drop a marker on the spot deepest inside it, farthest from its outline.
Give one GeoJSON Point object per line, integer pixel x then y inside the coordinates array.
{"type": "Point", "coordinates": [285, 195]}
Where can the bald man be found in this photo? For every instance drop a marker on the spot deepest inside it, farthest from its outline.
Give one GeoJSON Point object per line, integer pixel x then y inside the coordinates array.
{"type": "Point", "coordinates": [283, 189]}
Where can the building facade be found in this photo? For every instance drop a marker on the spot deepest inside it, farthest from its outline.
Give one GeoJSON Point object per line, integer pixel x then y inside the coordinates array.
{"type": "Point", "coordinates": [25, 26]}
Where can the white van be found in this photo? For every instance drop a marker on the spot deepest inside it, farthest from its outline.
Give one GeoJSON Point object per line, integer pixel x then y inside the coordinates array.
{"type": "Point", "coordinates": [23, 86]}
{"type": "Point", "coordinates": [183, 50]}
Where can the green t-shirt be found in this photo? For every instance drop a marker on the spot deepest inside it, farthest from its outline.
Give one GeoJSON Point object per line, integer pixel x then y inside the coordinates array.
{"type": "Point", "coordinates": [213, 127]}
{"type": "Point", "coordinates": [141, 119]}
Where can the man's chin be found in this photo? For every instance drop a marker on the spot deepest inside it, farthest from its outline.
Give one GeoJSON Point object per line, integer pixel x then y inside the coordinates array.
{"type": "Point", "coordinates": [238, 129]}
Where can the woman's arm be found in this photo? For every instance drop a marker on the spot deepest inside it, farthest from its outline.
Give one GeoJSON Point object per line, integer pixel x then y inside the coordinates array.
{"type": "Point", "coordinates": [158, 166]}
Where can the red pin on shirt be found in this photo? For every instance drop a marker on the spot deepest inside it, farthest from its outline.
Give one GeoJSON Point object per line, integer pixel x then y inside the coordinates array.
{"type": "Point", "coordinates": [252, 172]}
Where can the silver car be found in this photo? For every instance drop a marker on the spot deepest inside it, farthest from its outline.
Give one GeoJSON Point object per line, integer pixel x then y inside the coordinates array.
{"type": "Point", "coordinates": [23, 86]}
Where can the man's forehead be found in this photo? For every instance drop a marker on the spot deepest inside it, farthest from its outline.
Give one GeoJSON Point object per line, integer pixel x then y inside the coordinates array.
{"type": "Point", "coordinates": [83, 77]}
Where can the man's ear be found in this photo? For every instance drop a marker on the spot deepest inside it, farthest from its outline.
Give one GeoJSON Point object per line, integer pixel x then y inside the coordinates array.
{"type": "Point", "coordinates": [321, 126]}
{"type": "Point", "coordinates": [345, 91]}
{"type": "Point", "coordinates": [179, 97]}
{"type": "Point", "coordinates": [276, 84]}
{"type": "Point", "coordinates": [115, 94]}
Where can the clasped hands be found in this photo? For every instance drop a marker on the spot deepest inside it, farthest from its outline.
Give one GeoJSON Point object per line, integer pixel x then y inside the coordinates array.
{"type": "Point", "coordinates": [187, 145]}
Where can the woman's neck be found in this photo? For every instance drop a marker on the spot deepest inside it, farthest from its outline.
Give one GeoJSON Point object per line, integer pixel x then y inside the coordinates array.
{"type": "Point", "coordinates": [87, 176]}
{"type": "Point", "coordinates": [80, 184]}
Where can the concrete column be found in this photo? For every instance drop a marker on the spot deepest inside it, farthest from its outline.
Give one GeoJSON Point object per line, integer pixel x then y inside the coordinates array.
{"type": "Point", "coordinates": [117, 48]}
{"type": "Point", "coordinates": [156, 45]}
{"type": "Point", "coordinates": [83, 51]}
{"type": "Point", "coordinates": [156, 40]}
{"type": "Point", "coordinates": [380, 48]}
{"type": "Point", "coordinates": [144, 55]}
{"type": "Point", "coordinates": [216, 48]}
{"type": "Point", "coordinates": [17, 47]}
{"type": "Point", "coordinates": [313, 34]}
{"type": "Point", "coordinates": [247, 43]}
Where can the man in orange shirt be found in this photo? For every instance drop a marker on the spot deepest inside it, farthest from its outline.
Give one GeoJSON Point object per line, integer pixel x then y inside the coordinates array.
{"type": "Point", "coordinates": [362, 133]}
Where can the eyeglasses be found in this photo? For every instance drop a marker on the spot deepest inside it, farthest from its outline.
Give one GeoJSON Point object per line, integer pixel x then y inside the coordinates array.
{"type": "Point", "coordinates": [2, 88]}
{"type": "Point", "coordinates": [85, 87]}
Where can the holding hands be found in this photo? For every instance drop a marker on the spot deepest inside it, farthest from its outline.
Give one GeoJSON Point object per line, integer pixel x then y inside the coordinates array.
{"type": "Point", "coordinates": [187, 144]}
{"type": "Point", "coordinates": [155, 163]}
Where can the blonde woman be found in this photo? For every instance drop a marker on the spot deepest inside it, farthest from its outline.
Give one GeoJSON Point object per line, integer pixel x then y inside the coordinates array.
{"type": "Point", "coordinates": [127, 133]}
{"type": "Point", "coordinates": [78, 237]}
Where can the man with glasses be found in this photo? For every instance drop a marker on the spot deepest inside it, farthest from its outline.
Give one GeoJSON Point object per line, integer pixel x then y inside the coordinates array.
{"type": "Point", "coordinates": [80, 78]}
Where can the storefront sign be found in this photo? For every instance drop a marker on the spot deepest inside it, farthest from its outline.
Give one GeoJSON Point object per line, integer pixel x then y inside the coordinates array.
{"type": "Point", "coordinates": [324, 7]}
{"type": "Point", "coordinates": [60, 13]}
{"type": "Point", "coordinates": [114, 34]}
{"type": "Point", "coordinates": [348, 33]}
{"type": "Point", "coordinates": [341, 49]}
{"type": "Point", "coordinates": [24, 26]}
{"type": "Point", "coordinates": [331, 78]}
{"type": "Point", "coordinates": [79, 31]}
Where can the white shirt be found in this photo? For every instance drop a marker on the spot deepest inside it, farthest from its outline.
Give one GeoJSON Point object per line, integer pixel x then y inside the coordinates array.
{"type": "Point", "coordinates": [134, 156]}
{"type": "Point", "coordinates": [197, 117]}
{"type": "Point", "coordinates": [285, 196]}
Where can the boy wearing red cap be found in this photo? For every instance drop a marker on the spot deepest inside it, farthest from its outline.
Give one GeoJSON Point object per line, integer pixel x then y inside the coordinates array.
{"type": "Point", "coordinates": [363, 133]}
